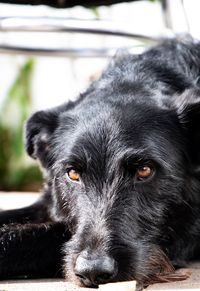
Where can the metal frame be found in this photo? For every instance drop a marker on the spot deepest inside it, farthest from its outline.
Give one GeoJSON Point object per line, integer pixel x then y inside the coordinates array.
{"type": "Point", "coordinates": [63, 25]}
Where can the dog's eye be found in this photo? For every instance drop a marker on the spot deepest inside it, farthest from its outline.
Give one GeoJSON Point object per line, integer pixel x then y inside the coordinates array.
{"type": "Point", "coordinates": [143, 173]}
{"type": "Point", "coordinates": [73, 175]}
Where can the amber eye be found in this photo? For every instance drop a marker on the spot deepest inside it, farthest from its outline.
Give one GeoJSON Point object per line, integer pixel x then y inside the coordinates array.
{"type": "Point", "coordinates": [73, 175]}
{"type": "Point", "coordinates": [143, 173]}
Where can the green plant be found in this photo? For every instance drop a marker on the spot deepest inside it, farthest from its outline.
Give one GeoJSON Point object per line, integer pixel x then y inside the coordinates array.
{"type": "Point", "coordinates": [16, 170]}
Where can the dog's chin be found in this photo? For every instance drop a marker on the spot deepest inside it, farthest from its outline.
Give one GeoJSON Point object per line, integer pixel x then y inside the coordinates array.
{"type": "Point", "coordinates": [159, 269]}
{"type": "Point", "coordinates": [71, 277]}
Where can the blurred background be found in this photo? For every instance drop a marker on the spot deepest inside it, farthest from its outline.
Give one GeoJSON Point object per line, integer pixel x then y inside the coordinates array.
{"type": "Point", "coordinates": [49, 55]}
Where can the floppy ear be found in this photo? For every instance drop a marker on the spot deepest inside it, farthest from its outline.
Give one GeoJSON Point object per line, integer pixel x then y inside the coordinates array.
{"type": "Point", "coordinates": [188, 107]}
{"type": "Point", "coordinates": [38, 131]}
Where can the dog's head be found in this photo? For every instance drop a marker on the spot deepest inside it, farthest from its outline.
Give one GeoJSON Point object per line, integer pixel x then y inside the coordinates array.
{"type": "Point", "coordinates": [119, 171]}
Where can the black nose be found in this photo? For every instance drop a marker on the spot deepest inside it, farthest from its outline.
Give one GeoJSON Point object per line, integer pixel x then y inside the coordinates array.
{"type": "Point", "coordinates": [93, 272]}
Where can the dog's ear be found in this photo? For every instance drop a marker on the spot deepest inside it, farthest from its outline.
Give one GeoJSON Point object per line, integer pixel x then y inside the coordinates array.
{"type": "Point", "coordinates": [188, 107]}
{"type": "Point", "coordinates": [38, 131]}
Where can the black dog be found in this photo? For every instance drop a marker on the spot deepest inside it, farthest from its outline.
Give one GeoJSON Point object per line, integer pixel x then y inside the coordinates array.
{"type": "Point", "coordinates": [122, 167]}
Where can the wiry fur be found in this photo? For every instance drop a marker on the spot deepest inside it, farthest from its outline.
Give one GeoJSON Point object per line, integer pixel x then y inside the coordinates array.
{"type": "Point", "coordinates": [144, 110]}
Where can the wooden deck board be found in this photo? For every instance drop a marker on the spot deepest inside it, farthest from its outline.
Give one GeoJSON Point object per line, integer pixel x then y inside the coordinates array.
{"type": "Point", "coordinates": [59, 285]}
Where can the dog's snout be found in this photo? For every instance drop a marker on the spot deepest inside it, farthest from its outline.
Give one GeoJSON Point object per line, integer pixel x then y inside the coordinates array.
{"type": "Point", "coordinates": [93, 272]}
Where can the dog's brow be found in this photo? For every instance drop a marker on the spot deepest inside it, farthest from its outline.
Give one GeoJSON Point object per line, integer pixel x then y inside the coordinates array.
{"type": "Point", "coordinates": [134, 153]}
{"type": "Point", "coordinates": [72, 159]}
{"type": "Point", "coordinates": [75, 161]}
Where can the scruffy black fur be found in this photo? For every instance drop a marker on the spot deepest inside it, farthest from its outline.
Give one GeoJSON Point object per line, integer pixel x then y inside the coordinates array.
{"type": "Point", "coordinates": [111, 224]}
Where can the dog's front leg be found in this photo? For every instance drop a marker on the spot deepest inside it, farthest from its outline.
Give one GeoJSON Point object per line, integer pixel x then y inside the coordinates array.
{"type": "Point", "coordinates": [35, 213]}
{"type": "Point", "coordinates": [32, 250]}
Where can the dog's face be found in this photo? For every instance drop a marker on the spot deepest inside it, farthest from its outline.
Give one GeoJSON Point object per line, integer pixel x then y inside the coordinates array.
{"type": "Point", "coordinates": [118, 174]}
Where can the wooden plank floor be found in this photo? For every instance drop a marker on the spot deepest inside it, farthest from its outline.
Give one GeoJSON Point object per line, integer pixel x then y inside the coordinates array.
{"type": "Point", "coordinates": [58, 285]}
{"type": "Point", "coordinates": [191, 284]}
{"type": "Point", "coordinates": [16, 200]}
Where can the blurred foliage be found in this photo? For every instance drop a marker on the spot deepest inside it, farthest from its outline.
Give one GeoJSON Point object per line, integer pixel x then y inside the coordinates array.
{"type": "Point", "coordinates": [17, 172]}
{"type": "Point", "coordinates": [95, 11]}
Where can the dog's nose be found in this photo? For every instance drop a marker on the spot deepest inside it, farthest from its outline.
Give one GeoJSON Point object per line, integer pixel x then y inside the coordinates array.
{"type": "Point", "coordinates": [93, 272]}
